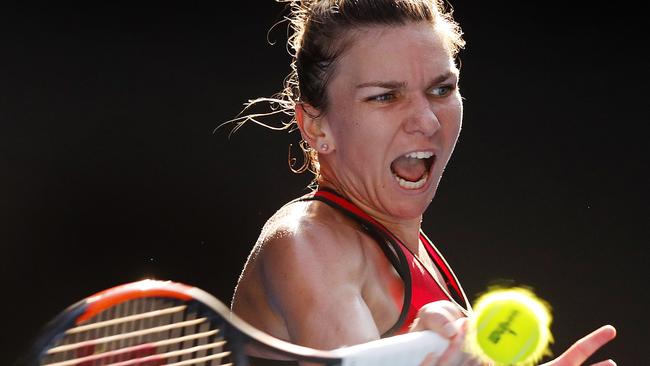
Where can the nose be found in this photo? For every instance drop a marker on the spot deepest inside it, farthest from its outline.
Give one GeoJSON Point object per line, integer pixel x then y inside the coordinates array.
{"type": "Point", "coordinates": [422, 118]}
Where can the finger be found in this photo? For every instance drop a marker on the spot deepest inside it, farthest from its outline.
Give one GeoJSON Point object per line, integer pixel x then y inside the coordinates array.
{"type": "Point", "coordinates": [455, 355]}
{"type": "Point", "coordinates": [605, 363]}
{"type": "Point", "coordinates": [470, 359]}
{"type": "Point", "coordinates": [451, 308]}
{"type": "Point", "coordinates": [442, 322]}
{"type": "Point", "coordinates": [429, 360]}
{"type": "Point", "coordinates": [451, 357]}
{"type": "Point", "coordinates": [438, 316]}
{"type": "Point", "coordinates": [437, 323]}
{"type": "Point", "coordinates": [444, 305]}
{"type": "Point", "coordinates": [473, 361]}
{"type": "Point", "coordinates": [585, 347]}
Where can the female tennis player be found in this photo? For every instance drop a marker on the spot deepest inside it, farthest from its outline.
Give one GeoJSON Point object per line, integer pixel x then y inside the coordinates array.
{"type": "Point", "coordinates": [374, 92]}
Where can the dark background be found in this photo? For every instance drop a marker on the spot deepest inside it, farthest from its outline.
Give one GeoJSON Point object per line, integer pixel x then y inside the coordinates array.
{"type": "Point", "coordinates": [110, 171]}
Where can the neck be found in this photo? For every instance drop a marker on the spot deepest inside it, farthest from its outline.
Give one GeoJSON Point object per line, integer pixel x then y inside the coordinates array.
{"type": "Point", "coordinates": [406, 230]}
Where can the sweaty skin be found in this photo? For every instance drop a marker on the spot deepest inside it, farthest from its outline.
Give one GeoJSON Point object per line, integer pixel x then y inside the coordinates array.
{"type": "Point", "coordinates": [314, 277]}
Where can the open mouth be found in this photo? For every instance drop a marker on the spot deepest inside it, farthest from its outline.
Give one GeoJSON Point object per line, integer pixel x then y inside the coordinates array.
{"type": "Point", "coordinates": [412, 170]}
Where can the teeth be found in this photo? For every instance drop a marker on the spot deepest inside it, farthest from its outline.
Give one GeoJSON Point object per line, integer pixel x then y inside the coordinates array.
{"type": "Point", "coordinates": [411, 185]}
{"type": "Point", "coordinates": [419, 155]}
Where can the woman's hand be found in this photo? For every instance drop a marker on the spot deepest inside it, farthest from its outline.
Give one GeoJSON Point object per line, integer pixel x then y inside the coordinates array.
{"type": "Point", "coordinates": [585, 347]}
{"type": "Point", "coordinates": [446, 319]}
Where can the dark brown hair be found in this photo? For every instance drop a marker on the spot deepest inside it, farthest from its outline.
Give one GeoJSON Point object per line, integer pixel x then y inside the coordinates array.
{"type": "Point", "coordinates": [320, 31]}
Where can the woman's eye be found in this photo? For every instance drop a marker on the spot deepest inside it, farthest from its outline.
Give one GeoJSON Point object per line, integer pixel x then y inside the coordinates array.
{"type": "Point", "coordinates": [382, 98]}
{"type": "Point", "coordinates": [441, 91]}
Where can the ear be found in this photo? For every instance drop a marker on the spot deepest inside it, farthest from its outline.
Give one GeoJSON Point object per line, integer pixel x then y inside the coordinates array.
{"type": "Point", "coordinates": [313, 128]}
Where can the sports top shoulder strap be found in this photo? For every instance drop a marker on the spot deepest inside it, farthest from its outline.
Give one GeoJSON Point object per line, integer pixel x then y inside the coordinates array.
{"type": "Point", "coordinates": [384, 238]}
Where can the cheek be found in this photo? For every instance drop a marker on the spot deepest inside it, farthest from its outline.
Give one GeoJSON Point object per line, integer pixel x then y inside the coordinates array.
{"type": "Point", "coordinates": [450, 127]}
{"type": "Point", "coordinates": [360, 144]}
{"type": "Point", "coordinates": [454, 126]}
{"type": "Point", "coordinates": [453, 118]}
{"type": "Point", "coordinates": [353, 134]}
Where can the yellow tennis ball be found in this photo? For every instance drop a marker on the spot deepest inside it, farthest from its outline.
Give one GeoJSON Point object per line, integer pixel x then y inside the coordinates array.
{"type": "Point", "coordinates": [510, 327]}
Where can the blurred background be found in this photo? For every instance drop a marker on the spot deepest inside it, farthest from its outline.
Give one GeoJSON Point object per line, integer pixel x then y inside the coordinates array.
{"type": "Point", "coordinates": [110, 169]}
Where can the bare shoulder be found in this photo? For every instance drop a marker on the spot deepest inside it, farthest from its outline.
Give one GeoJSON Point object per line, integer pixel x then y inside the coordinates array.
{"type": "Point", "coordinates": [311, 237]}
{"type": "Point", "coordinates": [308, 259]}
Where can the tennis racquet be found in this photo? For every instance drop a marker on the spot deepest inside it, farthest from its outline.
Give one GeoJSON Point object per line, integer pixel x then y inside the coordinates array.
{"type": "Point", "coordinates": [156, 323]}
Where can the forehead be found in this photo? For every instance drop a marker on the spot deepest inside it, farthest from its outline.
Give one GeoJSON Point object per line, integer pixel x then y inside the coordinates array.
{"type": "Point", "coordinates": [411, 51]}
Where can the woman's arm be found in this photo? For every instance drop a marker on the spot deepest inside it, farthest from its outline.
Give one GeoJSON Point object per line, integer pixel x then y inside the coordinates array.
{"type": "Point", "coordinates": [313, 279]}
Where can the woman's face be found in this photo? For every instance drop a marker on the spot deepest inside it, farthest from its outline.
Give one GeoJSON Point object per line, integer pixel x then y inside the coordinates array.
{"type": "Point", "coordinates": [394, 116]}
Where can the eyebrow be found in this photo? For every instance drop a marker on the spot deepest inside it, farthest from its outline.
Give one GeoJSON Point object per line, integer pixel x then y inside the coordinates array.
{"type": "Point", "coordinates": [401, 84]}
{"type": "Point", "coordinates": [383, 84]}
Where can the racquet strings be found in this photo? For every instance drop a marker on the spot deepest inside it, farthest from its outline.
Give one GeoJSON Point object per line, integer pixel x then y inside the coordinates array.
{"type": "Point", "coordinates": [142, 332]}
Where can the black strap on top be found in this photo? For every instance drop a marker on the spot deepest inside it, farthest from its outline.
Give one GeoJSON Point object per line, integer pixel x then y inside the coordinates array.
{"type": "Point", "coordinates": [387, 244]}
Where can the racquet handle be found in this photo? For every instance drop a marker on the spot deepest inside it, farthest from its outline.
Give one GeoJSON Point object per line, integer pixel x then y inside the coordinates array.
{"type": "Point", "coordinates": [404, 350]}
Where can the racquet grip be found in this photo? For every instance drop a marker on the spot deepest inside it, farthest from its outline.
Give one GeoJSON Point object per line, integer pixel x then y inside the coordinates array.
{"type": "Point", "coordinates": [404, 350]}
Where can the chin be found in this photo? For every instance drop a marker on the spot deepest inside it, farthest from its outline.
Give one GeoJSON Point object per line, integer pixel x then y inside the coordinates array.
{"type": "Point", "coordinates": [411, 206]}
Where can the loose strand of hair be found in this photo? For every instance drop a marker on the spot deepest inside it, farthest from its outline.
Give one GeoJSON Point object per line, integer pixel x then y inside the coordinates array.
{"type": "Point", "coordinates": [277, 106]}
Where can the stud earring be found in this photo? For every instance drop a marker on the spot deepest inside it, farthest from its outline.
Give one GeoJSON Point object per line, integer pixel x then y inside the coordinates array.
{"type": "Point", "coordinates": [324, 147]}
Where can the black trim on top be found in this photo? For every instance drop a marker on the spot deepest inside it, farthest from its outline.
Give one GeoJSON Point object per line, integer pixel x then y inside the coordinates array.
{"type": "Point", "coordinates": [456, 296]}
{"type": "Point", "coordinates": [387, 244]}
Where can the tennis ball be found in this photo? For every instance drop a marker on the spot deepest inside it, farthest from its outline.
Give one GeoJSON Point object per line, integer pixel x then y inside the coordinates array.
{"type": "Point", "coordinates": [510, 327]}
